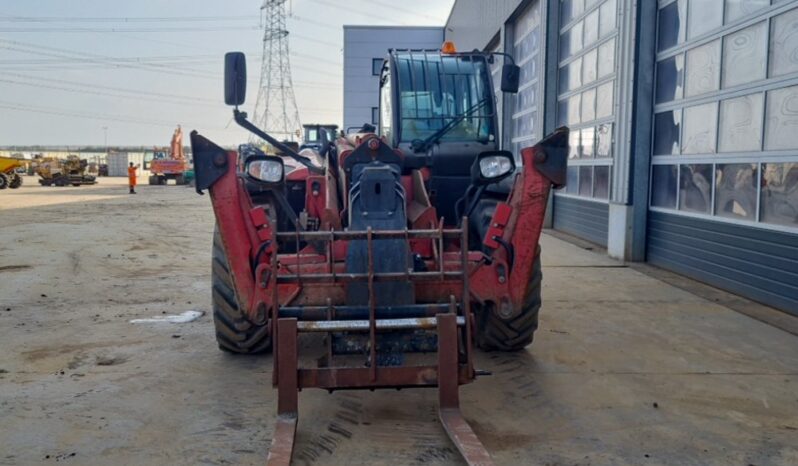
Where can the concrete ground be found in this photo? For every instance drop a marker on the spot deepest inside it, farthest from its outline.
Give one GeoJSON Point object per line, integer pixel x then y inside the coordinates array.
{"type": "Point", "coordinates": [625, 369]}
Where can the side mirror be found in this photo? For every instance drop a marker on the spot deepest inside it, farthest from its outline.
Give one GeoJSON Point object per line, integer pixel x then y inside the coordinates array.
{"type": "Point", "coordinates": [266, 169]}
{"type": "Point", "coordinates": [492, 166]}
{"type": "Point", "coordinates": [235, 78]}
{"type": "Point", "coordinates": [511, 75]}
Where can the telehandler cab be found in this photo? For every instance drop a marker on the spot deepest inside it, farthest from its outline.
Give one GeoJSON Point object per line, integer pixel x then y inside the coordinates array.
{"type": "Point", "coordinates": [404, 248]}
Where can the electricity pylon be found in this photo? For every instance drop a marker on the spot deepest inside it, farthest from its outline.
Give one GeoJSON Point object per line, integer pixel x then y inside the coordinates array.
{"type": "Point", "coordinates": [275, 110]}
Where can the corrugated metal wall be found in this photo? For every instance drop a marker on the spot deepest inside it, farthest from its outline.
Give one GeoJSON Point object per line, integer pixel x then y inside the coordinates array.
{"type": "Point", "coordinates": [759, 264]}
{"type": "Point", "coordinates": [724, 153]}
{"type": "Point", "coordinates": [585, 219]}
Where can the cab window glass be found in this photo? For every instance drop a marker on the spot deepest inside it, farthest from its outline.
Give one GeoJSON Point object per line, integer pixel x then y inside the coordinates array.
{"type": "Point", "coordinates": [437, 90]}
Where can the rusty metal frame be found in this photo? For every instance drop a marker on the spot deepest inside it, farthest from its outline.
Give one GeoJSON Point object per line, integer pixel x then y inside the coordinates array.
{"type": "Point", "coordinates": [453, 324]}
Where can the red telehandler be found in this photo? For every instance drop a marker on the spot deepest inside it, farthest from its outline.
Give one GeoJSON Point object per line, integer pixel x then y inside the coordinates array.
{"type": "Point", "coordinates": [406, 246]}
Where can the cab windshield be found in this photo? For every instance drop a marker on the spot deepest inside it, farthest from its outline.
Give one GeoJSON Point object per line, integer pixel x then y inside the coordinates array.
{"type": "Point", "coordinates": [436, 89]}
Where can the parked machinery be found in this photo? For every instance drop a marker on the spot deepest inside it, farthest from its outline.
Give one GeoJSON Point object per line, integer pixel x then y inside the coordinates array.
{"type": "Point", "coordinates": [62, 172]}
{"type": "Point", "coordinates": [405, 250]}
{"type": "Point", "coordinates": [317, 135]}
{"type": "Point", "coordinates": [9, 172]}
{"type": "Point", "coordinates": [168, 163]}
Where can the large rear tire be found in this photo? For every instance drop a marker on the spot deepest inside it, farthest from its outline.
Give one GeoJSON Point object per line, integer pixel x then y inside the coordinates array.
{"type": "Point", "coordinates": [497, 334]}
{"type": "Point", "coordinates": [4, 181]}
{"type": "Point", "coordinates": [15, 182]}
{"type": "Point", "coordinates": [234, 331]}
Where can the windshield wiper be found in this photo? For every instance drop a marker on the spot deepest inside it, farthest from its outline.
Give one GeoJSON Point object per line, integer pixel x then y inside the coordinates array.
{"type": "Point", "coordinates": [420, 145]}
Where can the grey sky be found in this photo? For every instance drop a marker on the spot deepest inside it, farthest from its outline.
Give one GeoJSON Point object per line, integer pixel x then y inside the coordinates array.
{"type": "Point", "coordinates": [58, 86]}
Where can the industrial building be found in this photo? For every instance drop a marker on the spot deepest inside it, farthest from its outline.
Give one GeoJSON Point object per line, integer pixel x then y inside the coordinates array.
{"type": "Point", "coordinates": [683, 117]}
{"type": "Point", "coordinates": [365, 48]}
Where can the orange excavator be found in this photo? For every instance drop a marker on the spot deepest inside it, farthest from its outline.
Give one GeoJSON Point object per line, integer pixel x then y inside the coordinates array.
{"type": "Point", "coordinates": [169, 163]}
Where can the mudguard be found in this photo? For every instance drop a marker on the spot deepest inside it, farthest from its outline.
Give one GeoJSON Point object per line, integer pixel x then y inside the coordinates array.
{"type": "Point", "coordinates": [210, 162]}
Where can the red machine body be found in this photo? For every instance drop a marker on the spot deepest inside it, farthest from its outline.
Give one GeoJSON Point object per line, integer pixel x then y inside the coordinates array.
{"type": "Point", "coordinates": [305, 290]}
{"type": "Point", "coordinates": [419, 240]}
{"type": "Point", "coordinates": [245, 230]}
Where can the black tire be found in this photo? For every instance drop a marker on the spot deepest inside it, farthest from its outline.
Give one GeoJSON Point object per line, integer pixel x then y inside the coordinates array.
{"type": "Point", "coordinates": [180, 180]}
{"type": "Point", "coordinates": [153, 180]}
{"type": "Point", "coordinates": [234, 331]}
{"type": "Point", "coordinates": [16, 181]}
{"type": "Point", "coordinates": [4, 181]}
{"type": "Point", "coordinates": [497, 334]}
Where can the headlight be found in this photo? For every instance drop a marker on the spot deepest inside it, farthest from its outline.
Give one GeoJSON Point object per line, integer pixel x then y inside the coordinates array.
{"type": "Point", "coordinates": [269, 170]}
{"type": "Point", "coordinates": [495, 166]}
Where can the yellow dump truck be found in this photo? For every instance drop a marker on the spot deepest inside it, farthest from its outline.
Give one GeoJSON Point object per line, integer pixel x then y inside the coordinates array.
{"type": "Point", "coordinates": [9, 178]}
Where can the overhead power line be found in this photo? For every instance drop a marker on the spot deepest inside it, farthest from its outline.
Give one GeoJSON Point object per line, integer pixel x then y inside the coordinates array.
{"type": "Point", "coordinates": [121, 19]}
{"type": "Point", "coordinates": [118, 118]}
{"type": "Point", "coordinates": [92, 116]}
{"type": "Point", "coordinates": [79, 30]}
{"type": "Point", "coordinates": [161, 100]}
{"type": "Point", "coordinates": [95, 58]}
{"type": "Point", "coordinates": [137, 92]}
{"type": "Point", "coordinates": [161, 59]}
{"type": "Point", "coordinates": [93, 86]}
{"type": "Point", "coordinates": [392, 6]}
{"type": "Point", "coordinates": [366, 14]}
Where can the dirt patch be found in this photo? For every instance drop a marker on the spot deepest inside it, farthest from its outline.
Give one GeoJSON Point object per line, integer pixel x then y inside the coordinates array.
{"type": "Point", "coordinates": [14, 268]}
{"type": "Point", "coordinates": [109, 360]}
{"type": "Point", "coordinates": [77, 361]}
{"type": "Point", "coordinates": [500, 440]}
{"type": "Point", "coordinates": [74, 261]}
{"type": "Point", "coordinates": [51, 351]}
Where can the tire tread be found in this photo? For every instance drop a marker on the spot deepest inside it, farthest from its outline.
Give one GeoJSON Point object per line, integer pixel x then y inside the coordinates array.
{"type": "Point", "coordinates": [497, 334]}
{"type": "Point", "coordinates": [235, 333]}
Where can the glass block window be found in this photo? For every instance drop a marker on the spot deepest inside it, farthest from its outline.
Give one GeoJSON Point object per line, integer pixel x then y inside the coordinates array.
{"type": "Point", "coordinates": [703, 69]}
{"type": "Point", "coordinates": [703, 16]}
{"type": "Point", "coordinates": [735, 190]}
{"type": "Point", "coordinates": [663, 186]}
{"type": "Point", "coordinates": [781, 123]}
{"type": "Point", "coordinates": [738, 9]}
{"type": "Point", "coordinates": [525, 128]}
{"type": "Point", "coordinates": [695, 188]}
{"type": "Point", "coordinates": [779, 195]}
{"type": "Point", "coordinates": [725, 126]}
{"type": "Point", "coordinates": [586, 93]}
{"type": "Point", "coordinates": [784, 44]}
{"type": "Point", "coordinates": [745, 55]}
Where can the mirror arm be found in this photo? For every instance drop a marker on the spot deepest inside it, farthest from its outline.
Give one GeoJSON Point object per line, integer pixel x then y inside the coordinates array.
{"type": "Point", "coordinates": [506, 55]}
{"type": "Point", "coordinates": [474, 200]}
{"type": "Point", "coordinates": [241, 119]}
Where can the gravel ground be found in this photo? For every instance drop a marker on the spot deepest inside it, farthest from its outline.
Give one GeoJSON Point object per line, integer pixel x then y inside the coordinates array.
{"type": "Point", "coordinates": [625, 369]}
